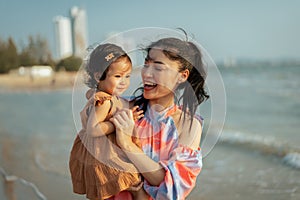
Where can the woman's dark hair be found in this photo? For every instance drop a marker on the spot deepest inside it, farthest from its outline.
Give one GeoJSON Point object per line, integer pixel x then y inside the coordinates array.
{"type": "Point", "coordinates": [188, 55]}
{"type": "Point", "coordinates": [100, 59]}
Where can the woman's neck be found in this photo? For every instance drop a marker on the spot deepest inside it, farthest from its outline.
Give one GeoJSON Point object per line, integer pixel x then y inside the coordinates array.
{"type": "Point", "coordinates": [162, 103]}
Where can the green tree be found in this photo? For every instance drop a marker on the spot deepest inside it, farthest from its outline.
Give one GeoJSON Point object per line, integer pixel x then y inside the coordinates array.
{"type": "Point", "coordinates": [12, 54]}
{"type": "Point", "coordinates": [25, 59]}
{"type": "Point", "coordinates": [3, 65]}
{"type": "Point", "coordinates": [71, 63]}
{"type": "Point", "coordinates": [8, 56]}
{"type": "Point", "coordinates": [36, 52]}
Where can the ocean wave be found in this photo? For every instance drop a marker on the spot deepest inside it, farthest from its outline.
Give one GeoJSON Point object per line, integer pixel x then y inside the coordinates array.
{"type": "Point", "coordinates": [292, 159]}
{"type": "Point", "coordinates": [32, 186]}
{"type": "Point", "coordinates": [43, 163]}
{"type": "Point", "coordinates": [290, 155]}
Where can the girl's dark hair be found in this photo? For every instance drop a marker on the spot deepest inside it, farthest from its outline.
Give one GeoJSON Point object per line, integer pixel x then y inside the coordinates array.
{"type": "Point", "coordinates": [100, 59]}
{"type": "Point", "coordinates": [189, 56]}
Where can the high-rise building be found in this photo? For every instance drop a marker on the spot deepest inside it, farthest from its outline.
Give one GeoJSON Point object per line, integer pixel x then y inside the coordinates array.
{"type": "Point", "coordinates": [63, 37]}
{"type": "Point", "coordinates": [127, 43]}
{"type": "Point", "coordinates": [79, 31]}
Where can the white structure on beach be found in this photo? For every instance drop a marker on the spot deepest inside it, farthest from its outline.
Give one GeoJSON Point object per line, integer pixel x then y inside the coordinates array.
{"type": "Point", "coordinates": [79, 31]}
{"type": "Point", "coordinates": [35, 71]}
{"type": "Point", "coordinates": [63, 36]}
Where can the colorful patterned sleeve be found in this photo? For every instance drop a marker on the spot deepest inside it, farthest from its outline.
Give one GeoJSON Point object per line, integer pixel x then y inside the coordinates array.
{"type": "Point", "coordinates": [182, 168]}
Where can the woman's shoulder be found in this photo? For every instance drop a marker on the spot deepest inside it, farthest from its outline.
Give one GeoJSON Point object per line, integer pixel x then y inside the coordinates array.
{"type": "Point", "coordinates": [189, 129]}
{"type": "Point", "coordinates": [186, 118]}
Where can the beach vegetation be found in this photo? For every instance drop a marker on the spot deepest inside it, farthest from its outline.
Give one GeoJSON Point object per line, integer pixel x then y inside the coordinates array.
{"type": "Point", "coordinates": [71, 63]}
{"type": "Point", "coordinates": [35, 52]}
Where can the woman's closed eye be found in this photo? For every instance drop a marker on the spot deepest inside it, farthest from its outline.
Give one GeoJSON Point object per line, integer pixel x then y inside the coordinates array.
{"type": "Point", "coordinates": [158, 68]}
{"type": "Point", "coordinates": [146, 66]}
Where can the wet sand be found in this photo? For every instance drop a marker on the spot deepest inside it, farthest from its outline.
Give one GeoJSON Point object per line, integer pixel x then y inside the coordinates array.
{"type": "Point", "coordinates": [229, 173]}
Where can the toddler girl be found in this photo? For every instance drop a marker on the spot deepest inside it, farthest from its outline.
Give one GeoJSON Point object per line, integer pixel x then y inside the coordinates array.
{"type": "Point", "coordinates": [99, 168]}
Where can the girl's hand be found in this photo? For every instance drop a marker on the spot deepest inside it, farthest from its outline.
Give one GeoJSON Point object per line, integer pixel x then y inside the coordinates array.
{"type": "Point", "coordinates": [137, 114]}
{"type": "Point", "coordinates": [124, 123]}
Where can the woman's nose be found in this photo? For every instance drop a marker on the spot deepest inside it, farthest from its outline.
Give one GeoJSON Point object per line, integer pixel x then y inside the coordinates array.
{"type": "Point", "coordinates": [147, 72]}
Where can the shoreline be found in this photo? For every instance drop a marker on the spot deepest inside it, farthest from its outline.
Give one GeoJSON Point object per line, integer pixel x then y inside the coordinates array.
{"type": "Point", "coordinates": [15, 82]}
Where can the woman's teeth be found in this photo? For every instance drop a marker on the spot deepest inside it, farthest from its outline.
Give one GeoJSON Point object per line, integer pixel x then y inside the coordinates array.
{"type": "Point", "coordinates": [149, 85]}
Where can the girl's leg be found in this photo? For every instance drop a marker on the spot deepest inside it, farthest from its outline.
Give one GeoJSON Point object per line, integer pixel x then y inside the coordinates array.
{"type": "Point", "coordinates": [140, 195]}
{"type": "Point", "coordinates": [121, 196]}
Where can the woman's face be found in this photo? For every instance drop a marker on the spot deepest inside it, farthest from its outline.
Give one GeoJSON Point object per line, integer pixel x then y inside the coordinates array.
{"type": "Point", "coordinates": [160, 76]}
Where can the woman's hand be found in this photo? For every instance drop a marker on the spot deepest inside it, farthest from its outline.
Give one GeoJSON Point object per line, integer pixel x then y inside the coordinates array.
{"type": "Point", "coordinates": [124, 123]}
{"type": "Point", "coordinates": [150, 169]}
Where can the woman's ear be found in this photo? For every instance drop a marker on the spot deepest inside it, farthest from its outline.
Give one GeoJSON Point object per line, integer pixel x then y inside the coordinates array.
{"type": "Point", "coordinates": [183, 76]}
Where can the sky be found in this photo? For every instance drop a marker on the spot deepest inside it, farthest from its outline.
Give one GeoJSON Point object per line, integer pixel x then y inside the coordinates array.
{"type": "Point", "coordinates": [256, 29]}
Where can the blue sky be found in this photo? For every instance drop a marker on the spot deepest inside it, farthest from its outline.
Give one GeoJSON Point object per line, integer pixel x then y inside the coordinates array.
{"type": "Point", "coordinates": [257, 29]}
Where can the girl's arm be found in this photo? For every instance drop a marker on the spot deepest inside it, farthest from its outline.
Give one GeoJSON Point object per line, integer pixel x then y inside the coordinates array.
{"type": "Point", "coordinates": [96, 124]}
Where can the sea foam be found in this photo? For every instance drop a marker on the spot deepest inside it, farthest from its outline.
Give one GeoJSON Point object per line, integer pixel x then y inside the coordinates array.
{"type": "Point", "coordinates": [266, 145]}
{"type": "Point", "coordinates": [14, 179]}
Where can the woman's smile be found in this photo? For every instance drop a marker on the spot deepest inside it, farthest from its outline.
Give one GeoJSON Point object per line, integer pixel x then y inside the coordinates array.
{"type": "Point", "coordinates": [149, 85]}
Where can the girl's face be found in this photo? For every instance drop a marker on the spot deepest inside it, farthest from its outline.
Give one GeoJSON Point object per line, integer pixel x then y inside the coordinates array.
{"type": "Point", "coordinates": [117, 78]}
{"type": "Point", "coordinates": [160, 77]}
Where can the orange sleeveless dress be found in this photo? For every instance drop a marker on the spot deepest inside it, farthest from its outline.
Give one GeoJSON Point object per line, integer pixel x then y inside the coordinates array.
{"type": "Point", "coordinates": [98, 167]}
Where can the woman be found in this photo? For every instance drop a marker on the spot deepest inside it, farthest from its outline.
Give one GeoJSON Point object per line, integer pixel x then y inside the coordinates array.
{"type": "Point", "coordinates": [170, 158]}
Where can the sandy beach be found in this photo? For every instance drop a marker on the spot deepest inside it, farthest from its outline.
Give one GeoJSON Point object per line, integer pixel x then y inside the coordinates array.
{"type": "Point", "coordinates": [15, 82]}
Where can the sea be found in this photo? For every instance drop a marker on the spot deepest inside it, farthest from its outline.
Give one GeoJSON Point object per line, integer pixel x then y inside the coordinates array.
{"type": "Point", "coordinates": [256, 156]}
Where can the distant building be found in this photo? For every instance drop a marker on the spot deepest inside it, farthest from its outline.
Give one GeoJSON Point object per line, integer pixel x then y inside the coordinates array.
{"type": "Point", "coordinates": [229, 62]}
{"type": "Point", "coordinates": [35, 71]}
{"type": "Point", "coordinates": [79, 31]}
{"type": "Point", "coordinates": [63, 37]}
{"type": "Point", "coordinates": [41, 71]}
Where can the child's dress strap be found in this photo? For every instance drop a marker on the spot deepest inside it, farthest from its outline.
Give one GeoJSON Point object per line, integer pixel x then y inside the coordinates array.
{"type": "Point", "coordinates": [98, 99]}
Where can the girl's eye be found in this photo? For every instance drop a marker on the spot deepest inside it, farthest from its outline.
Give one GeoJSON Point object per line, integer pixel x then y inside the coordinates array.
{"type": "Point", "coordinates": [117, 76]}
{"type": "Point", "coordinates": [128, 76]}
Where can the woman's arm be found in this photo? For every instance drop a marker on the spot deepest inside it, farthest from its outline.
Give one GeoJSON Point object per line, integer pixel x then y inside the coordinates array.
{"type": "Point", "coordinates": [173, 177]}
{"type": "Point", "coordinates": [151, 170]}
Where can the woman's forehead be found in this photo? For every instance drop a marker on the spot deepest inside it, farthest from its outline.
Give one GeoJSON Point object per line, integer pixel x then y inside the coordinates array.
{"type": "Point", "coordinates": [157, 56]}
